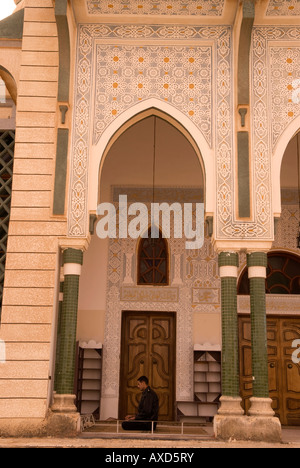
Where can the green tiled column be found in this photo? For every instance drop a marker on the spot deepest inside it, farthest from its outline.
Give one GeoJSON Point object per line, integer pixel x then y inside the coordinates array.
{"type": "Point", "coordinates": [228, 263]}
{"type": "Point", "coordinates": [58, 343]}
{"type": "Point", "coordinates": [257, 264]}
{"type": "Point", "coordinates": [72, 261]}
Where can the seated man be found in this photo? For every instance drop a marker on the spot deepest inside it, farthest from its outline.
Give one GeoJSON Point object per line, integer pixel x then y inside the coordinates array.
{"type": "Point", "coordinates": [147, 410]}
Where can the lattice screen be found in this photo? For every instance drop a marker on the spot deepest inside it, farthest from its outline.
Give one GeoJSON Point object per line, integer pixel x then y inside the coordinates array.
{"type": "Point", "coordinates": [7, 143]}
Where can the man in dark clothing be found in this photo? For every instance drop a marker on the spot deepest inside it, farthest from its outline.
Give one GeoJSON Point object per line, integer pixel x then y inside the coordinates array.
{"type": "Point", "coordinates": [147, 410]}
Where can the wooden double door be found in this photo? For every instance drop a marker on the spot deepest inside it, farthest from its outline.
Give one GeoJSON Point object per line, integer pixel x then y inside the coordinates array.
{"type": "Point", "coordinates": [148, 348]}
{"type": "Point", "coordinates": [284, 374]}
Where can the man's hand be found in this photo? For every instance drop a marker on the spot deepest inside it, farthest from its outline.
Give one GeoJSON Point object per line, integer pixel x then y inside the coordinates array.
{"type": "Point", "coordinates": [129, 418]}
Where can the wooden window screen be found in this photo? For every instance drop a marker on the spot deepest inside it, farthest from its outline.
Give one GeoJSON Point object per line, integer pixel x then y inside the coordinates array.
{"type": "Point", "coordinates": [7, 143]}
{"type": "Point", "coordinates": [153, 261]}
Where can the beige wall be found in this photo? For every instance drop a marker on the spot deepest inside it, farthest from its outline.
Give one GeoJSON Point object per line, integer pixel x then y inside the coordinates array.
{"type": "Point", "coordinates": [92, 292]}
{"type": "Point", "coordinates": [289, 173]}
{"type": "Point", "coordinates": [32, 253]}
{"type": "Point", "coordinates": [207, 328]}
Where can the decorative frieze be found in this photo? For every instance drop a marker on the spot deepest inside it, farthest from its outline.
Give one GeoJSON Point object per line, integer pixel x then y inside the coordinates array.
{"type": "Point", "coordinates": [283, 304]}
{"type": "Point", "coordinates": [156, 7]}
{"type": "Point", "coordinates": [149, 294]}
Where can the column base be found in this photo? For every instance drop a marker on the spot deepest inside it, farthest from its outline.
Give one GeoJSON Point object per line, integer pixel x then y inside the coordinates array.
{"type": "Point", "coordinates": [261, 407]}
{"type": "Point", "coordinates": [63, 404]}
{"type": "Point", "coordinates": [259, 429]}
{"type": "Point", "coordinates": [63, 420]}
{"type": "Point", "coordinates": [230, 406]}
{"type": "Point", "coordinates": [62, 424]}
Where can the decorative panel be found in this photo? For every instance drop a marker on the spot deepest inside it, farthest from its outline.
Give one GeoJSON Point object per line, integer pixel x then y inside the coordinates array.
{"type": "Point", "coordinates": [268, 113]}
{"type": "Point", "coordinates": [285, 88]}
{"type": "Point", "coordinates": [156, 7]}
{"type": "Point", "coordinates": [119, 66]}
{"type": "Point", "coordinates": [283, 8]}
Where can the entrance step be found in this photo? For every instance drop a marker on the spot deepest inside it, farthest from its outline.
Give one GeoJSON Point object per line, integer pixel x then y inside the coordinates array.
{"type": "Point", "coordinates": [164, 430]}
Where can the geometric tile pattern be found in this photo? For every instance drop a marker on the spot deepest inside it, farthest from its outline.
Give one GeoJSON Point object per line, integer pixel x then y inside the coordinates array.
{"type": "Point", "coordinates": [179, 75]}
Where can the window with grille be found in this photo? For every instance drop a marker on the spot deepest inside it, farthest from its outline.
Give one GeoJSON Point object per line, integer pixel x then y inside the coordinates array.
{"type": "Point", "coordinates": [153, 261]}
{"type": "Point", "coordinates": [283, 275]}
{"type": "Point", "coordinates": [7, 143]}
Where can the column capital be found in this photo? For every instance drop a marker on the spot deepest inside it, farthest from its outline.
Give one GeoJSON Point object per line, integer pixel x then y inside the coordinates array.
{"type": "Point", "coordinates": [228, 264]}
{"type": "Point", "coordinates": [72, 261]}
{"type": "Point", "coordinates": [72, 255]}
{"type": "Point", "coordinates": [74, 243]}
{"type": "Point", "coordinates": [228, 259]}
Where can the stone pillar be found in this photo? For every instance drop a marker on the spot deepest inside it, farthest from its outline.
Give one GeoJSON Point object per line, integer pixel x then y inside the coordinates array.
{"type": "Point", "coordinates": [230, 400]}
{"type": "Point", "coordinates": [230, 422]}
{"type": "Point", "coordinates": [65, 367]}
{"type": "Point", "coordinates": [260, 402]}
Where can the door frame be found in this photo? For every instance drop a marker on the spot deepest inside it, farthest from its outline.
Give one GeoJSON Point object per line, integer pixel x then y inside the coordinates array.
{"type": "Point", "coordinates": [125, 314]}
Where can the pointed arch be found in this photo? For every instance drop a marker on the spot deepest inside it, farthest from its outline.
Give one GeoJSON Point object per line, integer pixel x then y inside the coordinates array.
{"type": "Point", "coordinates": [10, 82]}
{"type": "Point", "coordinates": [278, 155]}
{"type": "Point", "coordinates": [137, 113]}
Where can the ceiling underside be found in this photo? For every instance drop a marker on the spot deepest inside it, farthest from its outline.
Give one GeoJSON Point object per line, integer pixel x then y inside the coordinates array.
{"type": "Point", "coordinates": [202, 8]}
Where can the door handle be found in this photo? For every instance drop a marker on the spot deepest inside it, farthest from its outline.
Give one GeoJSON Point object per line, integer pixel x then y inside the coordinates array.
{"type": "Point", "coordinates": [290, 366]}
{"type": "Point", "coordinates": [141, 362]}
{"type": "Point", "coordinates": [272, 365]}
{"type": "Point", "coordinates": [154, 361]}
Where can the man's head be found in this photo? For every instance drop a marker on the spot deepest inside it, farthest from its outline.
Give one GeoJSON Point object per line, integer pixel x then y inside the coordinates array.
{"type": "Point", "coordinates": [143, 383]}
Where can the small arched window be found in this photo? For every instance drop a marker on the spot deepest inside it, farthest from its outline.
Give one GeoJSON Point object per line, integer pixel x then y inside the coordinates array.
{"type": "Point", "coordinates": [153, 261]}
{"type": "Point", "coordinates": [283, 275]}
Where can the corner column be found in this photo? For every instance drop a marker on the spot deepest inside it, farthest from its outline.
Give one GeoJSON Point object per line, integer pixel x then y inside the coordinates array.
{"type": "Point", "coordinates": [230, 400]}
{"type": "Point", "coordinates": [257, 271]}
{"type": "Point", "coordinates": [65, 368]}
